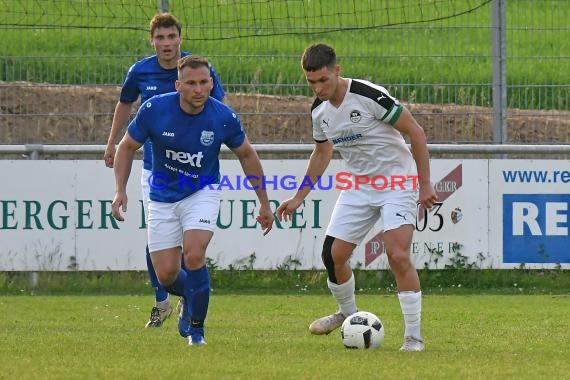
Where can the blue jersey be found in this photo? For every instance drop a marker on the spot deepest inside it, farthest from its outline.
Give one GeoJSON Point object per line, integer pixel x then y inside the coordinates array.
{"type": "Point", "coordinates": [147, 78]}
{"type": "Point", "coordinates": [185, 148]}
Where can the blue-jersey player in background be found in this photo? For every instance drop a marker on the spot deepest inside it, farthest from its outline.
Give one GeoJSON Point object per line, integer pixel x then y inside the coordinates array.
{"type": "Point", "coordinates": [187, 129]}
{"type": "Point", "coordinates": [148, 77]}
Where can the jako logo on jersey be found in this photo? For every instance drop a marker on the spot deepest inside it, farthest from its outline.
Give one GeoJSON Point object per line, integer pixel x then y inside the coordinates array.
{"type": "Point", "coordinates": [194, 160]}
{"type": "Point", "coordinates": [151, 88]}
{"type": "Point", "coordinates": [168, 134]}
{"type": "Point", "coordinates": [347, 139]}
{"type": "Point", "coordinates": [205, 221]}
{"type": "Point", "coordinates": [207, 138]}
{"type": "Point", "coordinates": [355, 116]}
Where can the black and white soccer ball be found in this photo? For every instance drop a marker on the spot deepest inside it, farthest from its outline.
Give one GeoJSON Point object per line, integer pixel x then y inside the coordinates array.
{"type": "Point", "coordinates": [362, 330]}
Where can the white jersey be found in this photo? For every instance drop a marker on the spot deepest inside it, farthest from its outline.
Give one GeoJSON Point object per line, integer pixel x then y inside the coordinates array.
{"type": "Point", "coordinates": [361, 130]}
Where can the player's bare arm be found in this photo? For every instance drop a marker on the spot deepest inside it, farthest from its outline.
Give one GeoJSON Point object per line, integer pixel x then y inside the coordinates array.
{"type": "Point", "coordinates": [409, 126]}
{"type": "Point", "coordinates": [318, 163]}
{"type": "Point", "coordinates": [120, 119]}
{"type": "Point", "coordinates": [251, 165]}
{"type": "Point", "coordinates": [123, 163]}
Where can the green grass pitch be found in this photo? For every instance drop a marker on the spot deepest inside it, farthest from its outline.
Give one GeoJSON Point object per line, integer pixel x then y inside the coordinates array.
{"type": "Point", "coordinates": [266, 337]}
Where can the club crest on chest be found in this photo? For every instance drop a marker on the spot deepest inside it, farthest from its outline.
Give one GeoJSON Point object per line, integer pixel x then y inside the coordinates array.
{"type": "Point", "coordinates": [207, 138]}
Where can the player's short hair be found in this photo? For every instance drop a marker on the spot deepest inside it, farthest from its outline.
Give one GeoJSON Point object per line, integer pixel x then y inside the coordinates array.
{"type": "Point", "coordinates": [317, 56]}
{"type": "Point", "coordinates": [192, 61]}
{"type": "Point", "coordinates": [164, 20]}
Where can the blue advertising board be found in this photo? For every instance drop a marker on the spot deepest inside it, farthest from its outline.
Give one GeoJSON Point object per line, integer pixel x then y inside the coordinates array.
{"type": "Point", "coordinates": [535, 228]}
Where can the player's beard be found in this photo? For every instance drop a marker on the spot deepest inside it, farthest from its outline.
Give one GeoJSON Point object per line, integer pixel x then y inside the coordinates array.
{"type": "Point", "coordinates": [194, 104]}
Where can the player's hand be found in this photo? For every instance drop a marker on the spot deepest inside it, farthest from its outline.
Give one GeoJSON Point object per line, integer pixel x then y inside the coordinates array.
{"type": "Point", "coordinates": [428, 196]}
{"type": "Point", "coordinates": [119, 204]}
{"type": "Point", "coordinates": [109, 156]}
{"type": "Point", "coordinates": [265, 218]}
{"type": "Point", "coordinates": [287, 208]}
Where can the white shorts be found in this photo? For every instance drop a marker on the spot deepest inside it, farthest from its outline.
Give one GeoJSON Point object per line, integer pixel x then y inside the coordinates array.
{"type": "Point", "coordinates": [168, 221]}
{"type": "Point", "coordinates": [357, 211]}
{"type": "Point", "coordinates": [145, 175]}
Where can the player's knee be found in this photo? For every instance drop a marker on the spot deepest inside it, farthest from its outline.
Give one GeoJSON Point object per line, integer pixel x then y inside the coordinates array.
{"type": "Point", "coordinates": [194, 260]}
{"type": "Point", "coordinates": [399, 259]}
{"type": "Point", "coordinates": [166, 276]}
{"type": "Point", "coordinates": [326, 254]}
{"type": "Point", "coordinates": [327, 258]}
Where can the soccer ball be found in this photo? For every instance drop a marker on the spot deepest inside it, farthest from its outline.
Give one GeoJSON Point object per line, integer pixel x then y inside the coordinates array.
{"type": "Point", "coordinates": [362, 330]}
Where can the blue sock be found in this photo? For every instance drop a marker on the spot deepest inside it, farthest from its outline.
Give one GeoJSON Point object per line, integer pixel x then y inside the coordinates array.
{"type": "Point", "coordinates": [160, 293]}
{"type": "Point", "coordinates": [198, 291]}
{"type": "Point", "coordinates": [177, 287]}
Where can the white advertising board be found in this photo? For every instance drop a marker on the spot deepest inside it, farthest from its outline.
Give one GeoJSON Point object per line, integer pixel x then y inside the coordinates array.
{"type": "Point", "coordinates": [56, 215]}
{"type": "Point", "coordinates": [454, 232]}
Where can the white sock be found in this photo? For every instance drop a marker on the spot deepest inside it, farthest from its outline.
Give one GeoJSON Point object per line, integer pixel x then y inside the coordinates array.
{"type": "Point", "coordinates": [163, 304]}
{"type": "Point", "coordinates": [411, 304]}
{"type": "Point", "coordinates": [344, 296]}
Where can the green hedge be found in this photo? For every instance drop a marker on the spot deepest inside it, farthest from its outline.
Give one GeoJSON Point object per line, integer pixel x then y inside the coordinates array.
{"type": "Point", "coordinates": [449, 281]}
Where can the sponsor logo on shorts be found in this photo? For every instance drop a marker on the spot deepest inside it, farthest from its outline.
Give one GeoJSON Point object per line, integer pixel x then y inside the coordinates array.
{"type": "Point", "coordinates": [403, 216]}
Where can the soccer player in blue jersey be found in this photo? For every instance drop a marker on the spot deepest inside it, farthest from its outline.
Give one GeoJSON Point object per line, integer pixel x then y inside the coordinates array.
{"type": "Point", "coordinates": [187, 129]}
{"type": "Point", "coordinates": [148, 77]}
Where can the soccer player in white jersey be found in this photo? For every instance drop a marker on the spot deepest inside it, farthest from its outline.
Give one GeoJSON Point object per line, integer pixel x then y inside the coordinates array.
{"type": "Point", "coordinates": [186, 129]}
{"type": "Point", "coordinates": [148, 77]}
{"type": "Point", "coordinates": [365, 124]}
